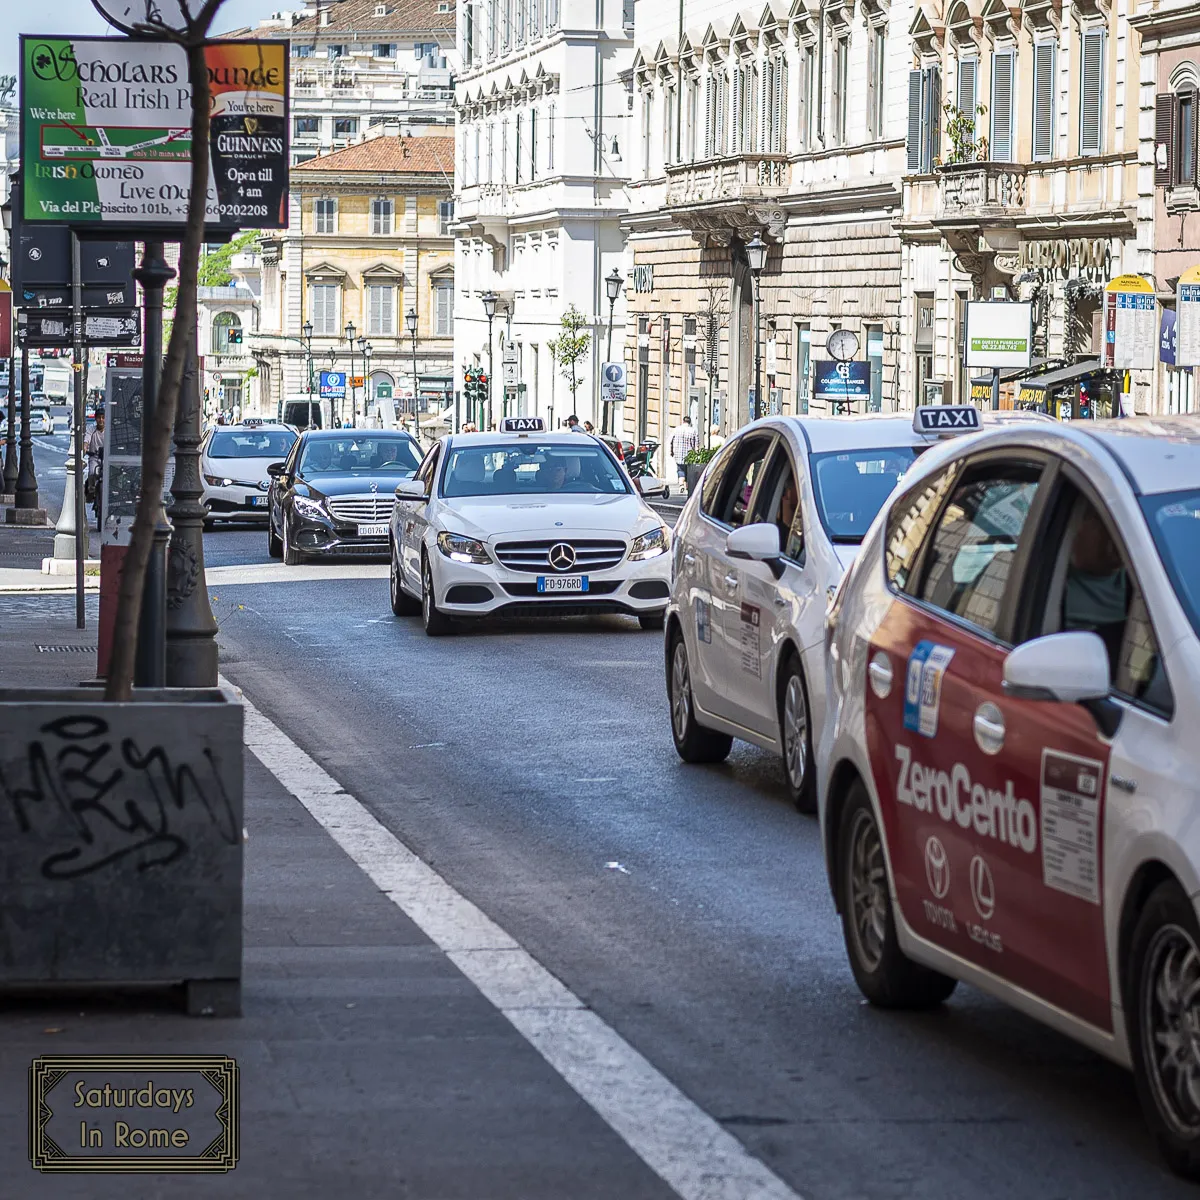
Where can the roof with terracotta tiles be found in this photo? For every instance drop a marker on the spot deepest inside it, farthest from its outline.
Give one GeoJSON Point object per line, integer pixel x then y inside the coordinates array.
{"type": "Point", "coordinates": [358, 16]}
{"type": "Point", "coordinates": [386, 153]}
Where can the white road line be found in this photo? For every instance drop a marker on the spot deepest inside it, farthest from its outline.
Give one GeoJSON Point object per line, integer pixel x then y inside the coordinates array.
{"type": "Point", "coordinates": [681, 1143]}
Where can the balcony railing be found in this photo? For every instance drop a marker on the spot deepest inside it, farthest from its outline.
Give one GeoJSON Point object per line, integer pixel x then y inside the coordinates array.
{"type": "Point", "coordinates": [746, 177]}
{"type": "Point", "coordinates": [993, 187]}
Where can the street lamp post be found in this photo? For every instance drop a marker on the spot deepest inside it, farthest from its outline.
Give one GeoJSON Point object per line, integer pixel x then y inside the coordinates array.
{"type": "Point", "coordinates": [350, 332]}
{"type": "Point", "coordinates": [410, 319]}
{"type": "Point", "coordinates": [307, 330]}
{"type": "Point", "coordinates": [367, 349]}
{"type": "Point", "coordinates": [489, 307]}
{"type": "Point", "coordinates": [9, 485]}
{"type": "Point", "coordinates": [362, 353]}
{"type": "Point", "coordinates": [756, 256]}
{"type": "Point", "coordinates": [613, 284]}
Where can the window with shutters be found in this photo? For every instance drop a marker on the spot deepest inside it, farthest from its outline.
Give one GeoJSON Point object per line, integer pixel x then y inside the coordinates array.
{"type": "Point", "coordinates": [504, 153]}
{"type": "Point", "coordinates": [381, 217]}
{"type": "Point", "coordinates": [492, 26]}
{"type": "Point", "coordinates": [506, 30]}
{"type": "Point", "coordinates": [710, 115]}
{"type": "Point", "coordinates": [491, 140]}
{"type": "Point", "coordinates": [1091, 91]}
{"type": "Point", "coordinates": [722, 112]}
{"type": "Point", "coordinates": [518, 161]}
{"type": "Point", "coordinates": [647, 121]}
{"type": "Point", "coordinates": [668, 139]}
{"type": "Point", "coordinates": [841, 89]}
{"type": "Point", "coordinates": [924, 119]}
{"type": "Point", "coordinates": [381, 310]}
{"type": "Point", "coordinates": [325, 211]}
{"type": "Point", "coordinates": [1175, 133]}
{"type": "Point", "coordinates": [550, 138]}
{"type": "Point", "coordinates": [478, 138]}
{"type": "Point", "coordinates": [533, 144]}
{"type": "Point", "coordinates": [323, 303]}
{"type": "Point", "coordinates": [737, 106]}
{"type": "Point", "coordinates": [804, 88]}
{"type": "Point", "coordinates": [443, 308]}
{"type": "Point", "coordinates": [1000, 147]}
{"type": "Point", "coordinates": [1044, 55]}
{"type": "Point", "coordinates": [691, 126]}
{"type": "Point", "coordinates": [968, 85]}
{"type": "Point", "coordinates": [876, 81]}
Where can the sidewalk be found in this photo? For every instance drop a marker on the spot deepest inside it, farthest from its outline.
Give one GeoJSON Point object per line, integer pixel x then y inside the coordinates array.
{"type": "Point", "coordinates": [22, 550]}
{"type": "Point", "coordinates": [370, 1066]}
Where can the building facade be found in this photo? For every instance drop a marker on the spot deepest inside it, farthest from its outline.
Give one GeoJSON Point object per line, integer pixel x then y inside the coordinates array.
{"type": "Point", "coordinates": [360, 63]}
{"type": "Point", "coordinates": [781, 123]}
{"type": "Point", "coordinates": [542, 153]}
{"type": "Point", "coordinates": [368, 243]}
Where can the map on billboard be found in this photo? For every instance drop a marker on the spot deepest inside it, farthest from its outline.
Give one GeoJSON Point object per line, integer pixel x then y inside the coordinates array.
{"type": "Point", "coordinates": [106, 133]}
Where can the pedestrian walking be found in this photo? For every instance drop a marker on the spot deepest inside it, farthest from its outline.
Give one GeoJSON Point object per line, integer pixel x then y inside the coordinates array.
{"type": "Point", "coordinates": [93, 480]}
{"type": "Point", "coordinates": [573, 425]}
{"type": "Point", "coordinates": [588, 427]}
{"type": "Point", "coordinates": [715, 438]}
{"type": "Point", "coordinates": [683, 439]}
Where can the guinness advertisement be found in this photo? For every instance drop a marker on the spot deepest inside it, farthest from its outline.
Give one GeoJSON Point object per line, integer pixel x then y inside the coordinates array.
{"type": "Point", "coordinates": [106, 134]}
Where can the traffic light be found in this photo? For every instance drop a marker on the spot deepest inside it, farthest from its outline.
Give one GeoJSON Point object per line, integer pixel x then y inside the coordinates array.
{"type": "Point", "coordinates": [235, 335]}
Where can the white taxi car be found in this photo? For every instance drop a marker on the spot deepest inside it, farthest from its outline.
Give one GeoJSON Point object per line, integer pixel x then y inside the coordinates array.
{"type": "Point", "coordinates": [525, 520]}
{"type": "Point", "coordinates": [759, 548]}
{"type": "Point", "coordinates": [233, 466]}
{"type": "Point", "coordinates": [1008, 772]}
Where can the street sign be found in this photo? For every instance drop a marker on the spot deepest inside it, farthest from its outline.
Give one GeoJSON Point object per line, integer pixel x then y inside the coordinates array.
{"type": "Point", "coordinates": [510, 353]}
{"type": "Point", "coordinates": [123, 296]}
{"type": "Point", "coordinates": [999, 334]}
{"type": "Point", "coordinates": [106, 133]}
{"type": "Point", "coordinates": [1130, 324]}
{"type": "Point", "coordinates": [52, 327]}
{"type": "Point", "coordinates": [383, 391]}
{"type": "Point", "coordinates": [332, 385]}
{"type": "Point", "coordinates": [612, 383]}
{"type": "Point", "coordinates": [356, 381]}
{"type": "Point", "coordinates": [510, 374]}
{"type": "Point", "coordinates": [842, 382]}
{"type": "Point", "coordinates": [1187, 319]}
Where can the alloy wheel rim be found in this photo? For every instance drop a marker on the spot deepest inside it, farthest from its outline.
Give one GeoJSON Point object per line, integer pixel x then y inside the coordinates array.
{"type": "Point", "coordinates": [868, 891]}
{"type": "Point", "coordinates": [795, 731]}
{"type": "Point", "coordinates": [1170, 1020]}
{"type": "Point", "coordinates": [426, 592]}
{"type": "Point", "coordinates": [393, 580]}
{"type": "Point", "coordinates": [681, 688]}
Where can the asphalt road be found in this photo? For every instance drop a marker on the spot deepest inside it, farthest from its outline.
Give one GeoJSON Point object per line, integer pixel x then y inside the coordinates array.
{"type": "Point", "coordinates": [50, 467]}
{"type": "Point", "coordinates": [523, 759]}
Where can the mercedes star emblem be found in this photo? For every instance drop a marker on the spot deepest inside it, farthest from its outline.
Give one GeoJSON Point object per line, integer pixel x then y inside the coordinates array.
{"type": "Point", "coordinates": [562, 556]}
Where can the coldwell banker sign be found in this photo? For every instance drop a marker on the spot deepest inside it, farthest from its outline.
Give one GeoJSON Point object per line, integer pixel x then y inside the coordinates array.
{"type": "Point", "coordinates": [106, 133]}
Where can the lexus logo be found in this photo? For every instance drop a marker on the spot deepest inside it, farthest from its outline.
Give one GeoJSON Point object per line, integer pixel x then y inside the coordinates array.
{"type": "Point", "coordinates": [937, 868]}
{"type": "Point", "coordinates": [983, 888]}
{"type": "Point", "coordinates": [562, 556]}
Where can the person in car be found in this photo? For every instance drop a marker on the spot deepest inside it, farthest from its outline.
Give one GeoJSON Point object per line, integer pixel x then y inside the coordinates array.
{"type": "Point", "coordinates": [319, 457]}
{"type": "Point", "coordinates": [1096, 596]}
{"type": "Point", "coordinates": [787, 511]}
{"type": "Point", "coordinates": [552, 475]}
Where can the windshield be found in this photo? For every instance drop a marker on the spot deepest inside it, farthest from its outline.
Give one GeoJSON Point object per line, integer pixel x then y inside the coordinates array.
{"type": "Point", "coordinates": [251, 443]}
{"type": "Point", "coordinates": [851, 486]}
{"type": "Point", "coordinates": [527, 469]}
{"type": "Point", "coordinates": [1174, 519]}
{"type": "Point", "coordinates": [372, 454]}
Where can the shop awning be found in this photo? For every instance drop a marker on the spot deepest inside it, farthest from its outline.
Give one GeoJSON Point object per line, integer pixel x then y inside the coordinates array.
{"type": "Point", "coordinates": [1064, 375]}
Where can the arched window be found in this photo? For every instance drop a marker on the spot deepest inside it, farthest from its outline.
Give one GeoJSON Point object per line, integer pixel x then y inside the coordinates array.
{"type": "Point", "coordinates": [1176, 130]}
{"type": "Point", "coordinates": [226, 333]}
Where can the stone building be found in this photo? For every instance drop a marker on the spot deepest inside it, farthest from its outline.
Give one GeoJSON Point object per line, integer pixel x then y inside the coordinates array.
{"type": "Point", "coordinates": [368, 241]}
{"type": "Point", "coordinates": [785, 122]}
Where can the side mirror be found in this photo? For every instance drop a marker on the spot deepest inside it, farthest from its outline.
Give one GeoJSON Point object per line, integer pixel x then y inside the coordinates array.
{"type": "Point", "coordinates": [758, 543]}
{"type": "Point", "coordinates": [1069, 667]}
{"type": "Point", "coordinates": [411, 489]}
{"type": "Point", "coordinates": [277, 469]}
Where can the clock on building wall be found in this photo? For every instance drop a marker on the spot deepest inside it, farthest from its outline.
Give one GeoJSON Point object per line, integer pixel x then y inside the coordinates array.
{"type": "Point", "coordinates": [842, 345]}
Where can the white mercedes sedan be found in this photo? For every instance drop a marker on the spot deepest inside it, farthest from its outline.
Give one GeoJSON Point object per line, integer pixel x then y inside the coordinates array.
{"type": "Point", "coordinates": [525, 521]}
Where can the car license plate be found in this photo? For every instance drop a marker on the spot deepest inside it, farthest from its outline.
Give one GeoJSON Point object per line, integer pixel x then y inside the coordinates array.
{"type": "Point", "coordinates": [258, 502]}
{"type": "Point", "coordinates": [377, 530]}
{"type": "Point", "coordinates": [562, 583]}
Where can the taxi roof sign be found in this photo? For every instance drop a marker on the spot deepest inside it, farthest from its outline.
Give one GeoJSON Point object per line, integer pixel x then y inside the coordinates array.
{"type": "Point", "coordinates": [946, 420]}
{"type": "Point", "coordinates": [522, 425]}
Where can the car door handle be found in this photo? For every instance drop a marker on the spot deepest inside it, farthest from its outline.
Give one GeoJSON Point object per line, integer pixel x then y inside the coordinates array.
{"type": "Point", "coordinates": [780, 602]}
{"type": "Point", "coordinates": [689, 558]}
{"type": "Point", "coordinates": [989, 728]}
{"type": "Point", "coordinates": [731, 582]}
{"type": "Point", "coordinates": [881, 676]}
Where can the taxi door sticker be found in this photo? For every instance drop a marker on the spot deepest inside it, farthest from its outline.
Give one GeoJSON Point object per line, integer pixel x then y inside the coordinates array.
{"type": "Point", "coordinates": [1071, 824]}
{"type": "Point", "coordinates": [703, 622]}
{"type": "Point", "coordinates": [751, 621]}
{"type": "Point", "coordinates": [923, 687]}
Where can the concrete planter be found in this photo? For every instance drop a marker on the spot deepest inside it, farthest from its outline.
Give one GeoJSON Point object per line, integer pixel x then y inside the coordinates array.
{"type": "Point", "coordinates": [121, 841]}
{"type": "Point", "coordinates": [692, 474]}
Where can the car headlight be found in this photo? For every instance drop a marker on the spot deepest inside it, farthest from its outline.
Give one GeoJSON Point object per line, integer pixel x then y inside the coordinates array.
{"type": "Point", "coordinates": [463, 549]}
{"type": "Point", "coordinates": [650, 545]}
{"type": "Point", "coordinates": [217, 481]}
{"type": "Point", "coordinates": [309, 508]}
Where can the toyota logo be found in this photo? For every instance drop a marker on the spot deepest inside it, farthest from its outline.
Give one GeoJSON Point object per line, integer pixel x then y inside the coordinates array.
{"type": "Point", "coordinates": [562, 556]}
{"type": "Point", "coordinates": [937, 868]}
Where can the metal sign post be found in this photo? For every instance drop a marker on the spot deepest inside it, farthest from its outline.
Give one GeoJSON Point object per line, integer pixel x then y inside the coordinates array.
{"type": "Point", "coordinates": [80, 363]}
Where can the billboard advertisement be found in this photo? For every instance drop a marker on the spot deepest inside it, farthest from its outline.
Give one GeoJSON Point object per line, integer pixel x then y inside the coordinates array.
{"type": "Point", "coordinates": [999, 334]}
{"type": "Point", "coordinates": [106, 133]}
{"type": "Point", "coordinates": [842, 382]}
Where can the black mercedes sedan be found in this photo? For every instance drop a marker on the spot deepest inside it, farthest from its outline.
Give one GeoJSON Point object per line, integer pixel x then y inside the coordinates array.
{"type": "Point", "coordinates": [333, 495]}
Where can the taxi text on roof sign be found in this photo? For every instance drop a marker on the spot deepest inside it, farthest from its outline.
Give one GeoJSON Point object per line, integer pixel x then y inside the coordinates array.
{"type": "Point", "coordinates": [941, 419]}
{"type": "Point", "coordinates": [522, 425]}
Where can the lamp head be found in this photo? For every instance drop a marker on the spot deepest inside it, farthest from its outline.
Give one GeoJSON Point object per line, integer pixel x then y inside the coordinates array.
{"type": "Point", "coordinates": [307, 329]}
{"type": "Point", "coordinates": [489, 304]}
{"type": "Point", "coordinates": [613, 284]}
{"type": "Point", "coordinates": [350, 332]}
{"type": "Point", "coordinates": [410, 319]}
{"type": "Point", "coordinates": [756, 255]}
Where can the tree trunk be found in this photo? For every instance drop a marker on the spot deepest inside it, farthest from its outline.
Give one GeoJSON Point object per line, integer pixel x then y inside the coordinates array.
{"type": "Point", "coordinates": [157, 449]}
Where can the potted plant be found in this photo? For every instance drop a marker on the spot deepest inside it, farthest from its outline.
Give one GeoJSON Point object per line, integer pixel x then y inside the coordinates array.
{"type": "Point", "coordinates": [694, 463]}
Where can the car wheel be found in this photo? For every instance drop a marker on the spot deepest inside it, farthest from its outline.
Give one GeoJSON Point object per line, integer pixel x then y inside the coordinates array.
{"type": "Point", "coordinates": [436, 623]}
{"type": "Point", "coordinates": [291, 556]}
{"type": "Point", "coordinates": [403, 605]}
{"type": "Point", "coordinates": [884, 975]}
{"type": "Point", "coordinates": [1162, 982]}
{"type": "Point", "coordinates": [274, 545]}
{"type": "Point", "coordinates": [693, 742]}
{"type": "Point", "coordinates": [653, 620]}
{"type": "Point", "coordinates": [795, 732]}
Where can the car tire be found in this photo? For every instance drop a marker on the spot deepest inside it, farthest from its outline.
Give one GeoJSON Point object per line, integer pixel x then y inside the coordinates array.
{"type": "Point", "coordinates": [436, 623]}
{"type": "Point", "coordinates": [884, 975]}
{"type": "Point", "coordinates": [1163, 964]}
{"type": "Point", "coordinates": [653, 620]}
{"type": "Point", "coordinates": [694, 743]}
{"type": "Point", "coordinates": [795, 736]}
{"type": "Point", "coordinates": [291, 556]}
{"type": "Point", "coordinates": [403, 605]}
{"type": "Point", "coordinates": [274, 545]}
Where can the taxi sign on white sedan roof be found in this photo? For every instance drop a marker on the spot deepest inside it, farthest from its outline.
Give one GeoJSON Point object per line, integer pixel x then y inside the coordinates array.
{"type": "Point", "coordinates": [942, 420]}
{"type": "Point", "coordinates": [522, 425]}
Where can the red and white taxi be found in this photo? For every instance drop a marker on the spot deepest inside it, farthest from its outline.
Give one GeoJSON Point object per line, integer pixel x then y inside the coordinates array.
{"type": "Point", "coordinates": [1008, 773]}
